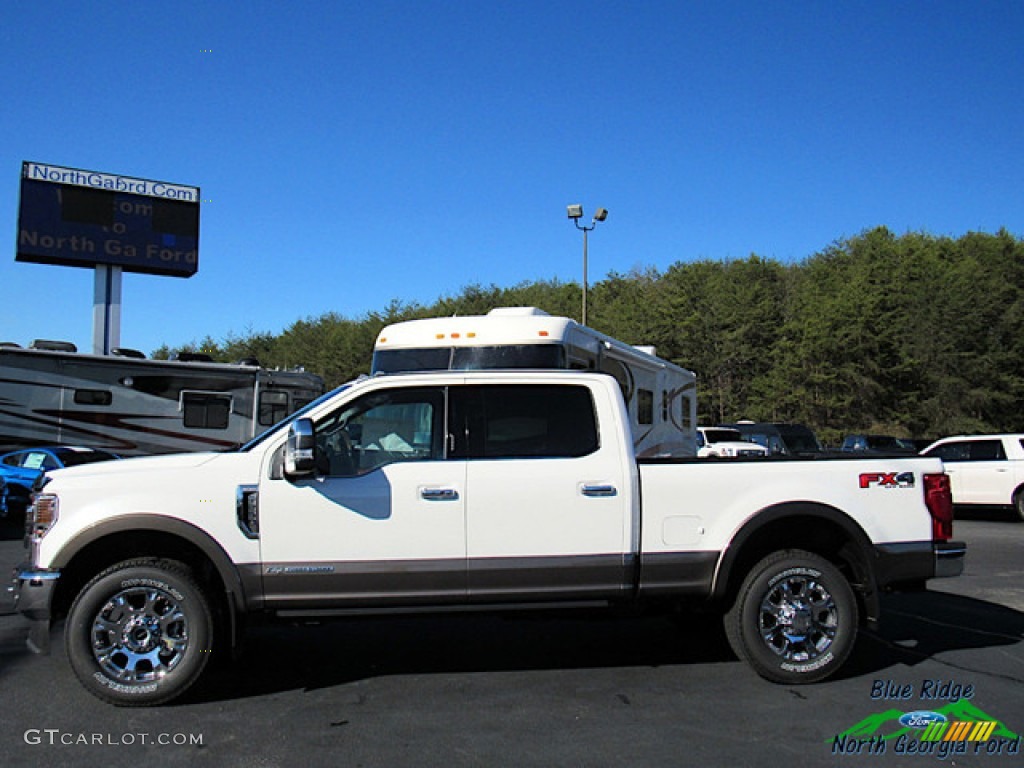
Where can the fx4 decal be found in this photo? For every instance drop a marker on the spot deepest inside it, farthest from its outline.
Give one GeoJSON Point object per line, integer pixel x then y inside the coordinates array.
{"type": "Point", "coordinates": [887, 479]}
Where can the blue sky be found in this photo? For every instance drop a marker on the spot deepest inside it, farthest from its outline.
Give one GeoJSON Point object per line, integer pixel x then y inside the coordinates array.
{"type": "Point", "coordinates": [356, 153]}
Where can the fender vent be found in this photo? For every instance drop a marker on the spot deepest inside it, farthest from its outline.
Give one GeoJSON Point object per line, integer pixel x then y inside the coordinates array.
{"type": "Point", "coordinates": [247, 508]}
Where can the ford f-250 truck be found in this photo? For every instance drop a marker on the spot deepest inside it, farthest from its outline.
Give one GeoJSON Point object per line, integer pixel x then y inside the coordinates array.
{"type": "Point", "coordinates": [474, 490]}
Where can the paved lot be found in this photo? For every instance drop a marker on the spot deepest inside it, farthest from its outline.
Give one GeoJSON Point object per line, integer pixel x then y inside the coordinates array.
{"type": "Point", "coordinates": [584, 690]}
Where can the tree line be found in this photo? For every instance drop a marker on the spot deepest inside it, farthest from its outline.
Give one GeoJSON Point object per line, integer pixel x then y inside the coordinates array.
{"type": "Point", "coordinates": [913, 335]}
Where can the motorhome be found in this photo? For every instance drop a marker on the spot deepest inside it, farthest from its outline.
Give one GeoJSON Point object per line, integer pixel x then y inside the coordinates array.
{"type": "Point", "coordinates": [134, 406]}
{"type": "Point", "coordinates": [661, 397]}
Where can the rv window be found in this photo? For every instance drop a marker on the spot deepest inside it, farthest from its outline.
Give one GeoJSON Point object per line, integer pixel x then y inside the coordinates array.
{"type": "Point", "coordinates": [273, 407]}
{"type": "Point", "coordinates": [394, 360]}
{"type": "Point", "coordinates": [617, 370]}
{"type": "Point", "coordinates": [470, 358]}
{"type": "Point", "coordinates": [510, 356]}
{"type": "Point", "coordinates": [206, 410]}
{"type": "Point", "coordinates": [687, 421]}
{"type": "Point", "coordinates": [645, 406]}
{"type": "Point", "coordinates": [93, 397]}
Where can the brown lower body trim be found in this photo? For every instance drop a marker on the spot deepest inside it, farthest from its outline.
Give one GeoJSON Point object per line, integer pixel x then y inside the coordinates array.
{"type": "Point", "coordinates": [681, 574]}
{"type": "Point", "coordinates": [403, 583]}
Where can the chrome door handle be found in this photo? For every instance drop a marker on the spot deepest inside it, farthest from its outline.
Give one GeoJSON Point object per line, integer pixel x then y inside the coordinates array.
{"type": "Point", "coordinates": [438, 494]}
{"type": "Point", "coordinates": [598, 489]}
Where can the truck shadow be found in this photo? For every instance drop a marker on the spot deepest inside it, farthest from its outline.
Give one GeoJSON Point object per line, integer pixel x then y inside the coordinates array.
{"type": "Point", "coordinates": [915, 628]}
{"type": "Point", "coordinates": [349, 650]}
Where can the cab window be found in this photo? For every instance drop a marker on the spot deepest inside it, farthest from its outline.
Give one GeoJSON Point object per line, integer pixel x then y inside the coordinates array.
{"type": "Point", "coordinates": [523, 421]}
{"type": "Point", "coordinates": [381, 428]}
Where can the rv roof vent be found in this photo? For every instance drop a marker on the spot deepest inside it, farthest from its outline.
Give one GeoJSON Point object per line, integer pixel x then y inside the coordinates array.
{"type": "Point", "coordinates": [193, 357]}
{"type": "Point", "coordinates": [518, 312]}
{"type": "Point", "coordinates": [250, 361]}
{"type": "Point", "coordinates": [125, 352]}
{"type": "Point", "coordinates": [53, 346]}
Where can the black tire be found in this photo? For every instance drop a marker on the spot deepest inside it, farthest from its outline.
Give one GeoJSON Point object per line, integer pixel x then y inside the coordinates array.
{"type": "Point", "coordinates": [794, 619]}
{"type": "Point", "coordinates": [1018, 503]}
{"type": "Point", "coordinates": [140, 633]}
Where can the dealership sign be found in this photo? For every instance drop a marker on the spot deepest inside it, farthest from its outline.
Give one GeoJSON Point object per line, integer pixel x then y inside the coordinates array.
{"type": "Point", "coordinates": [82, 218]}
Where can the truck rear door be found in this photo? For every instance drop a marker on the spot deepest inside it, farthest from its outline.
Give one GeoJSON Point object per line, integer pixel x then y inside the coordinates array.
{"type": "Point", "coordinates": [548, 496]}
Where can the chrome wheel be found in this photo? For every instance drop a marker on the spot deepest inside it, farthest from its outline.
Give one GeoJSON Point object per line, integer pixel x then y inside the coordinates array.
{"type": "Point", "coordinates": [798, 619]}
{"type": "Point", "coordinates": [140, 635]}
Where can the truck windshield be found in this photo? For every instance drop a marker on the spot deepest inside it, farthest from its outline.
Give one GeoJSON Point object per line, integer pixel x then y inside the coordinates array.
{"type": "Point", "coordinates": [470, 358]}
{"type": "Point", "coordinates": [724, 436]}
{"type": "Point", "coordinates": [799, 439]}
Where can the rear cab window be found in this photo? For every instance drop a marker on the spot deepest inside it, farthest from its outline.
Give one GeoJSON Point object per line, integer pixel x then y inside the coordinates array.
{"type": "Point", "coordinates": [523, 421]}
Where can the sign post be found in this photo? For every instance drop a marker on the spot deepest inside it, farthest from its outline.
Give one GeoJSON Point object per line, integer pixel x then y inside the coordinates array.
{"type": "Point", "coordinates": [106, 309]}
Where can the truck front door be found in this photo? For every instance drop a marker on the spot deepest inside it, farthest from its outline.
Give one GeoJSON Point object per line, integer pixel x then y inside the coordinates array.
{"type": "Point", "coordinates": [381, 522]}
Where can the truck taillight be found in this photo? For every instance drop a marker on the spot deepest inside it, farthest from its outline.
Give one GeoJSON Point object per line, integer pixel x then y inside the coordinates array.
{"type": "Point", "coordinates": [938, 497]}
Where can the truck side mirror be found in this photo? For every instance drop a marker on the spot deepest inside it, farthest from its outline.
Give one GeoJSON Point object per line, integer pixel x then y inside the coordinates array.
{"type": "Point", "coordinates": [300, 453]}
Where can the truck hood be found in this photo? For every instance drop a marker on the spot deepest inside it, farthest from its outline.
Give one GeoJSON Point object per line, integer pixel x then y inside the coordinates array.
{"type": "Point", "coordinates": [170, 462]}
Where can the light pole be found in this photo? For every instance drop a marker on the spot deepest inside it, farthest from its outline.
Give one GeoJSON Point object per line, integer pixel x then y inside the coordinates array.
{"type": "Point", "coordinates": [576, 213]}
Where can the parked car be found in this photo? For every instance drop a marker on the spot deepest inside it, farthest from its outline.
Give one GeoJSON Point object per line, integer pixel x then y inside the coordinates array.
{"type": "Point", "coordinates": [724, 441]}
{"type": "Point", "coordinates": [883, 444]}
{"type": "Point", "coordinates": [19, 470]}
{"type": "Point", "coordinates": [780, 439]}
{"type": "Point", "coordinates": [984, 470]}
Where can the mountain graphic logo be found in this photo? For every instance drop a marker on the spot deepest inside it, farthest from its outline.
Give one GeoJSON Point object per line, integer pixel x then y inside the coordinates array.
{"type": "Point", "coordinates": [886, 725]}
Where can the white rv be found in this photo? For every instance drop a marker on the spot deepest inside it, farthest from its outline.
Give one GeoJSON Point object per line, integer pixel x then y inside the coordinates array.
{"type": "Point", "coordinates": [661, 396]}
{"type": "Point", "coordinates": [133, 406]}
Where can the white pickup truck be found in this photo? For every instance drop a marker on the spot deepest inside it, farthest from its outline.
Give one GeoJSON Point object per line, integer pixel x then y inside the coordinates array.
{"type": "Point", "coordinates": [467, 490]}
{"type": "Point", "coordinates": [725, 442]}
{"type": "Point", "coordinates": [984, 470]}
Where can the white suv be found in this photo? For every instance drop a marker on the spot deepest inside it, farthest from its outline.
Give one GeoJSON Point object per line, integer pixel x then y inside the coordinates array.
{"type": "Point", "coordinates": [984, 470]}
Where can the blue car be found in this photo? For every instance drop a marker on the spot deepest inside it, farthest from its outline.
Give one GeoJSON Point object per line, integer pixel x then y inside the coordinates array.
{"type": "Point", "coordinates": [20, 469]}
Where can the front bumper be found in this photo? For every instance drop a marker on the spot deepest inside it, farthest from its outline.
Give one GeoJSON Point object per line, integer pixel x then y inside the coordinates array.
{"type": "Point", "coordinates": [33, 595]}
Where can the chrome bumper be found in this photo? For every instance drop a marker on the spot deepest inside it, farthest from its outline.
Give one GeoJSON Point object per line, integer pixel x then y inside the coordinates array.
{"type": "Point", "coordinates": [33, 592]}
{"type": "Point", "coordinates": [949, 558]}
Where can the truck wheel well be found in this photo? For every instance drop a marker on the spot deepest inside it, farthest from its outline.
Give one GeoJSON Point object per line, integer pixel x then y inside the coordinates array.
{"type": "Point", "coordinates": [807, 531]}
{"type": "Point", "coordinates": [126, 545]}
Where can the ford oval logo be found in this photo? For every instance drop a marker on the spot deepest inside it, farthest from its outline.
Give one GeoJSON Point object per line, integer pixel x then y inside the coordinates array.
{"type": "Point", "coordinates": [921, 719]}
